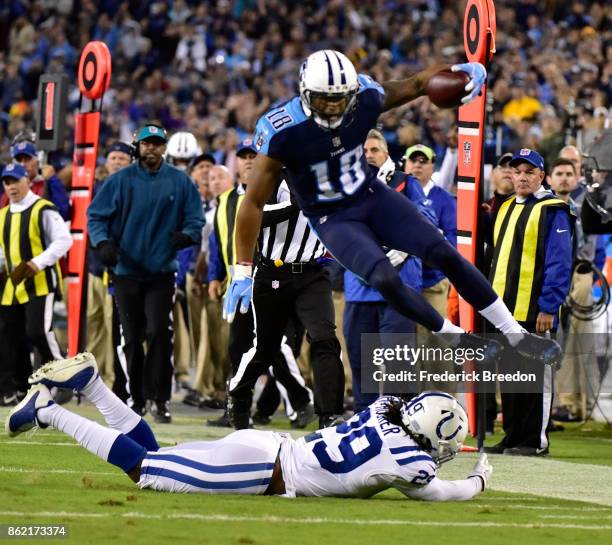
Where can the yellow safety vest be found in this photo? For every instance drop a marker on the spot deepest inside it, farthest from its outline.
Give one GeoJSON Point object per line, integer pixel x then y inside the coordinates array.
{"type": "Point", "coordinates": [517, 270]}
{"type": "Point", "coordinates": [22, 239]}
{"type": "Point", "coordinates": [225, 223]}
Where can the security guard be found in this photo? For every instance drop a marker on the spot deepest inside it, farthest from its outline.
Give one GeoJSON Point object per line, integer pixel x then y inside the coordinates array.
{"type": "Point", "coordinates": [531, 271]}
{"type": "Point", "coordinates": [33, 237]}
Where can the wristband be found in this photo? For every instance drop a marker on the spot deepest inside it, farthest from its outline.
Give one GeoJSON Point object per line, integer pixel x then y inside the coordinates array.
{"type": "Point", "coordinates": [242, 271]}
{"type": "Point", "coordinates": [482, 481]}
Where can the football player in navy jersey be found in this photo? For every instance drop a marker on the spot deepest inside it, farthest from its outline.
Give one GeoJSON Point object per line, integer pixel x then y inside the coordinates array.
{"type": "Point", "coordinates": [318, 136]}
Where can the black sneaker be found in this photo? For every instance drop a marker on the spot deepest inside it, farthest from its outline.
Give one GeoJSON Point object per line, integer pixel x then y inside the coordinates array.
{"type": "Point", "coordinates": [160, 412]}
{"type": "Point", "coordinates": [222, 422]}
{"type": "Point", "coordinates": [330, 420]}
{"type": "Point", "coordinates": [261, 419]}
{"type": "Point", "coordinates": [8, 400]}
{"type": "Point", "coordinates": [193, 398]}
{"type": "Point", "coordinates": [540, 349]}
{"type": "Point", "coordinates": [139, 408]}
{"type": "Point", "coordinates": [304, 417]}
{"type": "Point", "coordinates": [211, 403]}
{"type": "Point", "coordinates": [241, 420]}
{"type": "Point", "coordinates": [526, 451]}
{"type": "Point", "coordinates": [564, 414]}
{"type": "Point", "coordinates": [495, 449]}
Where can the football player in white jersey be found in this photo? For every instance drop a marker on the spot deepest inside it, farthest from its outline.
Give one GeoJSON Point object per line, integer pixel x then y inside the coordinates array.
{"type": "Point", "coordinates": [392, 444]}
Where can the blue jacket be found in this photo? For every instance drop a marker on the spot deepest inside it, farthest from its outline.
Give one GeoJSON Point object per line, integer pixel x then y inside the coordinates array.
{"type": "Point", "coordinates": [357, 291]}
{"type": "Point", "coordinates": [557, 261]}
{"type": "Point", "coordinates": [445, 207]}
{"type": "Point", "coordinates": [139, 210]}
{"type": "Point", "coordinates": [216, 268]}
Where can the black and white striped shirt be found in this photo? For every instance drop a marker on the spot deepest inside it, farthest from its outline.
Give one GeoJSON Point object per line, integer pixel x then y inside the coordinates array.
{"type": "Point", "coordinates": [285, 232]}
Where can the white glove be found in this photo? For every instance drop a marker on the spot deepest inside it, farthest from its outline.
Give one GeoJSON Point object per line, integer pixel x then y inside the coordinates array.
{"type": "Point", "coordinates": [482, 469]}
{"type": "Point", "coordinates": [397, 257]}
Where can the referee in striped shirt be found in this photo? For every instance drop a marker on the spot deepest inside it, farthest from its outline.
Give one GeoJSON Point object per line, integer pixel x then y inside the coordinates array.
{"type": "Point", "coordinates": [290, 280]}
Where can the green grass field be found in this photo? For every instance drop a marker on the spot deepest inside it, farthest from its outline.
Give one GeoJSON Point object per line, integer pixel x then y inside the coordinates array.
{"type": "Point", "coordinates": [46, 478]}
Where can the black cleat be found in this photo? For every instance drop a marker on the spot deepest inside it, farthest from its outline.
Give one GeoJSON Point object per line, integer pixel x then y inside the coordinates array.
{"type": "Point", "coordinates": [261, 419]}
{"type": "Point", "coordinates": [330, 420]}
{"type": "Point", "coordinates": [540, 349]}
{"type": "Point", "coordinates": [139, 408]}
{"type": "Point", "coordinates": [241, 420]}
{"type": "Point", "coordinates": [222, 422]}
{"type": "Point", "coordinates": [491, 348]}
{"type": "Point", "coordinates": [304, 417]}
{"type": "Point", "coordinates": [211, 403]}
{"type": "Point", "coordinates": [526, 451]}
{"type": "Point", "coordinates": [495, 449]}
{"type": "Point", "coordinates": [193, 398]}
{"type": "Point", "coordinates": [160, 412]}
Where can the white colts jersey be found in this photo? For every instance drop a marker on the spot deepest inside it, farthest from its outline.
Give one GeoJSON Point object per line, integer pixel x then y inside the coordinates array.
{"type": "Point", "coordinates": [358, 458]}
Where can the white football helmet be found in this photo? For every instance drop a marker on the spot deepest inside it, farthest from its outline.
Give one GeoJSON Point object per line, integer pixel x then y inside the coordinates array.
{"type": "Point", "coordinates": [182, 149]}
{"type": "Point", "coordinates": [329, 75]}
{"type": "Point", "coordinates": [438, 423]}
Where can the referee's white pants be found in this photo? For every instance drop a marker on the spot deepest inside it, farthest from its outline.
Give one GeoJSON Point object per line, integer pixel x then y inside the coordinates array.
{"type": "Point", "coordinates": [240, 463]}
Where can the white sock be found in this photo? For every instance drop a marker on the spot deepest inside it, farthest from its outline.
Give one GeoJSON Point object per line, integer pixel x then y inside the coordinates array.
{"type": "Point", "coordinates": [117, 414]}
{"type": "Point", "coordinates": [95, 438]}
{"type": "Point", "coordinates": [449, 327]}
{"type": "Point", "coordinates": [498, 314]}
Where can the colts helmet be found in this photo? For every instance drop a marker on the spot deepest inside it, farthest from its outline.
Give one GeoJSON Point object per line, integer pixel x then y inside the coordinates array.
{"type": "Point", "coordinates": [182, 149]}
{"type": "Point", "coordinates": [328, 74]}
{"type": "Point", "coordinates": [438, 423]}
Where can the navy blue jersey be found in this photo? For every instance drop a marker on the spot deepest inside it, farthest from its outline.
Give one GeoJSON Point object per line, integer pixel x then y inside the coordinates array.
{"type": "Point", "coordinates": [326, 167]}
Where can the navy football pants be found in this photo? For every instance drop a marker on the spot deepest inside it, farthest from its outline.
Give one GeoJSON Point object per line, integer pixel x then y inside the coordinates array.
{"type": "Point", "coordinates": [381, 217]}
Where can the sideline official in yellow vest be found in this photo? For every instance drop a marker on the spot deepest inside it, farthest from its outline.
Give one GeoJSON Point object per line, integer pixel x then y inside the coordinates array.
{"type": "Point", "coordinates": [531, 272]}
{"type": "Point", "coordinates": [33, 237]}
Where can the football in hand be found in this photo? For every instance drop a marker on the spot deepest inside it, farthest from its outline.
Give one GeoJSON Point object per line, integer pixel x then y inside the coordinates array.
{"type": "Point", "coordinates": [446, 89]}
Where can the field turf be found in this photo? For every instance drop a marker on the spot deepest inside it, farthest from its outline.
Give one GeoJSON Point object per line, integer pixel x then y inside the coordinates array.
{"type": "Point", "coordinates": [45, 478]}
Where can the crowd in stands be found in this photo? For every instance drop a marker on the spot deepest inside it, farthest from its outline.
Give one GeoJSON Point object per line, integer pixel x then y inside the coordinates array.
{"type": "Point", "coordinates": [212, 68]}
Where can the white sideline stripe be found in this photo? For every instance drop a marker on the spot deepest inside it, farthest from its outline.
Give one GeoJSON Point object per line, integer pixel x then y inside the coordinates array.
{"type": "Point", "coordinates": [553, 507]}
{"type": "Point", "coordinates": [43, 443]}
{"type": "Point", "coordinates": [581, 517]}
{"type": "Point", "coordinates": [310, 520]}
{"type": "Point", "coordinates": [4, 469]}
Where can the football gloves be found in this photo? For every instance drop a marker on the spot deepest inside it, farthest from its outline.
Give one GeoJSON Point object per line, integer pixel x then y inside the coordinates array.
{"type": "Point", "coordinates": [109, 255]}
{"type": "Point", "coordinates": [240, 291]}
{"type": "Point", "coordinates": [478, 76]}
{"type": "Point", "coordinates": [396, 257]}
{"type": "Point", "coordinates": [483, 470]}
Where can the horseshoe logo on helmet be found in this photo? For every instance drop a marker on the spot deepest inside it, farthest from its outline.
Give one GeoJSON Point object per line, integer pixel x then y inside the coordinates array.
{"type": "Point", "coordinates": [441, 423]}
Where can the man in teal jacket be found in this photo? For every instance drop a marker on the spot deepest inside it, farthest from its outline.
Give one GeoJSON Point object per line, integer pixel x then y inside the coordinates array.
{"type": "Point", "coordinates": [142, 215]}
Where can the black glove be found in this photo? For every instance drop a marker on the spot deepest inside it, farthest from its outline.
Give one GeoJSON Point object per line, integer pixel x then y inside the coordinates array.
{"type": "Point", "coordinates": [181, 240]}
{"type": "Point", "coordinates": [109, 255]}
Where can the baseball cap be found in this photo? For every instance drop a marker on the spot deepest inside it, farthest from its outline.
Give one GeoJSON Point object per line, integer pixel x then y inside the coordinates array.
{"type": "Point", "coordinates": [119, 146]}
{"type": "Point", "coordinates": [151, 131]}
{"type": "Point", "coordinates": [504, 159]}
{"type": "Point", "coordinates": [420, 148]}
{"type": "Point", "coordinates": [527, 155]}
{"type": "Point", "coordinates": [204, 157]}
{"type": "Point", "coordinates": [23, 148]}
{"type": "Point", "coordinates": [246, 145]}
{"type": "Point", "coordinates": [14, 170]}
